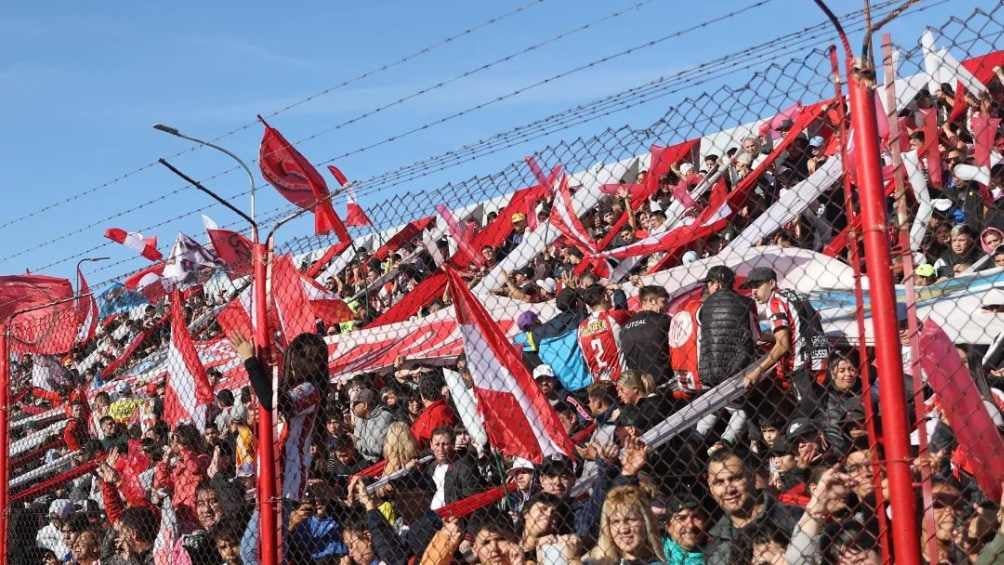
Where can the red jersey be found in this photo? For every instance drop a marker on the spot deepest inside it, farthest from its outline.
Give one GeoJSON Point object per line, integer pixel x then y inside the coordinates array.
{"type": "Point", "coordinates": [684, 331]}
{"type": "Point", "coordinates": [599, 340]}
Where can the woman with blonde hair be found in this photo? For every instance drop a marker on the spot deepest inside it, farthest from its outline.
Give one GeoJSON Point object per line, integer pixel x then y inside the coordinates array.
{"type": "Point", "coordinates": [403, 500]}
{"type": "Point", "coordinates": [628, 531]}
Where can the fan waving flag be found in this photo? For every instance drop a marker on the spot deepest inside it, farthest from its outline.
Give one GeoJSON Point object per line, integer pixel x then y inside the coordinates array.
{"type": "Point", "coordinates": [519, 420]}
{"type": "Point", "coordinates": [145, 246]}
{"type": "Point", "coordinates": [460, 234]}
{"type": "Point", "coordinates": [86, 310]}
{"type": "Point", "coordinates": [298, 181]}
{"type": "Point", "coordinates": [355, 216]}
{"type": "Point", "coordinates": [189, 262]}
{"type": "Point", "coordinates": [188, 392]}
{"type": "Point", "coordinates": [563, 218]}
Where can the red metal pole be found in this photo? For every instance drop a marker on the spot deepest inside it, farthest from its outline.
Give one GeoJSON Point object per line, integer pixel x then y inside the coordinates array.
{"type": "Point", "coordinates": [267, 500]}
{"type": "Point", "coordinates": [889, 362]}
{"type": "Point", "coordinates": [864, 368]}
{"type": "Point", "coordinates": [4, 439]}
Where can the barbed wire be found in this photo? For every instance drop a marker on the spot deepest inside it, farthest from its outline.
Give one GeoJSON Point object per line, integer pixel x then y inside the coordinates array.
{"type": "Point", "coordinates": [423, 127]}
{"type": "Point", "coordinates": [362, 76]}
{"type": "Point", "coordinates": [855, 23]}
{"type": "Point", "coordinates": [781, 45]}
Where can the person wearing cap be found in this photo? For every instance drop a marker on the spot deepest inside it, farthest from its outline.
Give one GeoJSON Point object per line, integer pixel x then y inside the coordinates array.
{"type": "Point", "coordinates": [371, 423]}
{"type": "Point", "coordinates": [962, 250]}
{"type": "Point", "coordinates": [521, 473]}
{"type": "Point", "coordinates": [686, 531]}
{"type": "Point", "coordinates": [798, 355]}
{"type": "Point", "coordinates": [728, 329]}
{"type": "Point", "coordinates": [515, 237]}
{"type": "Point", "coordinates": [925, 275]}
{"type": "Point", "coordinates": [51, 535]}
{"type": "Point", "coordinates": [526, 322]}
{"type": "Point", "coordinates": [645, 336]}
{"type": "Point", "coordinates": [544, 376]}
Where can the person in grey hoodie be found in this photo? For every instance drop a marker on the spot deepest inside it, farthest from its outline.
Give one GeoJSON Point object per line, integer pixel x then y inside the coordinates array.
{"type": "Point", "coordinates": [371, 423]}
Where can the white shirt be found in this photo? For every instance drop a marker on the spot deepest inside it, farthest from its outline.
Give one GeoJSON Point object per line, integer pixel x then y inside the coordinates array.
{"type": "Point", "coordinates": [439, 478]}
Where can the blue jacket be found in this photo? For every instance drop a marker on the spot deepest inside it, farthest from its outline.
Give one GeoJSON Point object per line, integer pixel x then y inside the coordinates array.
{"type": "Point", "coordinates": [558, 346]}
{"type": "Point", "coordinates": [318, 537]}
{"type": "Point", "coordinates": [676, 555]}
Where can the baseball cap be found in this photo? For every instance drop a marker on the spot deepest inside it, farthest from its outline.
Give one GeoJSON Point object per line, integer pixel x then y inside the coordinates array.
{"type": "Point", "coordinates": [800, 427]}
{"type": "Point", "coordinates": [556, 466]}
{"type": "Point", "coordinates": [548, 285]}
{"type": "Point", "coordinates": [781, 447]}
{"type": "Point", "coordinates": [684, 501]}
{"type": "Point", "coordinates": [759, 275]}
{"type": "Point", "coordinates": [686, 169]}
{"type": "Point", "coordinates": [689, 257]}
{"type": "Point", "coordinates": [543, 370]}
{"type": "Point", "coordinates": [519, 465]}
{"type": "Point", "coordinates": [526, 320]}
{"type": "Point", "coordinates": [518, 217]}
{"type": "Point", "coordinates": [61, 508]}
{"type": "Point", "coordinates": [817, 141]}
{"type": "Point", "coordinates": [941, 204]}
{"type": "Point", "coordinates": [721, 274]}
{"type": "Point", "coordinates": [925, 270]}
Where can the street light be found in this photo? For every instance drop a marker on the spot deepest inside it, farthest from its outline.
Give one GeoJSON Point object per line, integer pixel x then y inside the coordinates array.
{"type": "Point", "coordinates": [86, 260]}
{"type": "Point", "coordinates": [174, 131]}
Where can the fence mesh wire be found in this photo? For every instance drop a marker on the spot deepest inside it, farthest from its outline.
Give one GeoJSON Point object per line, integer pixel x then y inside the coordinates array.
{"type": "Point", "coordinates": [648, 345]}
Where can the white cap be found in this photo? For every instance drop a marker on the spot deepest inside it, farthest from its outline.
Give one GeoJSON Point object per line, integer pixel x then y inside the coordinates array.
{"type": "Point", "coordinates": [520, 464]}
{"type": "Point", "coordinates": [817, 141]}
{"type": "Point", "coordinates": [686, 168]}
{"type": "Point", "coordinates": [992, 297]}
{"type": "Point", "coordinates": [548, 285]}
{"type": "Point", "coordinates": [941, 204]}
{"type": "Point", "coordinates": [543, 370]}
{"type": "Point", "coordinates": [61, 508]}
{"type": "Point", "coordinates": [689, 257]}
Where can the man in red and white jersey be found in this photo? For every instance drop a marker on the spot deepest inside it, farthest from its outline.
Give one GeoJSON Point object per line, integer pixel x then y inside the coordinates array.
{"type": "Point", "coordinates": [800, 349]}
{"type": "Point", "coordinates": [599, 335]}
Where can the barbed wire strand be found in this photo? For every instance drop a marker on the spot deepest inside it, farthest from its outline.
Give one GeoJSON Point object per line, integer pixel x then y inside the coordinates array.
{"type": "Point", "coordinates": [299, 102]}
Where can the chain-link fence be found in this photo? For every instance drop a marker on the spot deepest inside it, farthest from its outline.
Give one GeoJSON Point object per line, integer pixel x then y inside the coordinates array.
{"type": "Point", "coordinates": [649, 345]}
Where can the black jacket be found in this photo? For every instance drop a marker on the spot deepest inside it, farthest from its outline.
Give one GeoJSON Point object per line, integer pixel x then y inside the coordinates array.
{"type": "Point", "coordinates": [724, 536]}
{"type": "Point", "coordinates": [836, 407]}
{"type": "Point", "coordinates": [727, 343]}
{"type": "Point", "coordinates": [645, 344]}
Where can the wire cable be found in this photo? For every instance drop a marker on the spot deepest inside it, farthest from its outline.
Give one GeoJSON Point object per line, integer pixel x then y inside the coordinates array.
{"type": "Point", "coordinates": [362, 76]}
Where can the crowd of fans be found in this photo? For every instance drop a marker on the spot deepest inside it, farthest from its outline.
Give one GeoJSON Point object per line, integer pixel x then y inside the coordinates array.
{"type": "Point", "coordinates": [381, 468]}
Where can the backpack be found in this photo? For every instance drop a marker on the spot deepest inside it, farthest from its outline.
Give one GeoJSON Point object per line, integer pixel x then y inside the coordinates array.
{"type": "Point", "coordinates": [815, 345]}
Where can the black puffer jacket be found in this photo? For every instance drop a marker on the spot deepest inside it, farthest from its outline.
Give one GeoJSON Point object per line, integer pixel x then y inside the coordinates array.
{"type": "Point", "coordinates": [727, 343]}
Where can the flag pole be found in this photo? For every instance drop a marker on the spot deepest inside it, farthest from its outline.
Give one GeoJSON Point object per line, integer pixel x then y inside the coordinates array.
{"type": "Point", "coordinates": [267, 501]}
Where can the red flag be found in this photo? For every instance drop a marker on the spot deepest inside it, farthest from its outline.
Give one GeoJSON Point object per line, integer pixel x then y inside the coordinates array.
{"type": "Point", "coordinates": [292, 306]}
{"type": "Point", "coordinates": [461, 234]}
{"type": "Point", "coordinates": [407, 233]}
{"type": "Point", "coordinates": [541, 191]}
{"type": "Point", "coordinates": [519, 420]}
{"type": "Point", "coordinates": [563, 218]}
{"type": "Point", "coordinates": [930, 125]}
{"type": "Point", "coordinates": [354, 213]}
{"type": "Point", "coordinates": [332, 252]}
{"type": "Point", "coordinates": [231, 247]}
{"type": "Point", "coordinates": [187, 392]}
{"type": "Point", "coordinates": [235, 318]}
{"type": "Point", "coordinates": [148, 281]}
{"type": "Point", "coordinates": [714, 218]}
{"type": "Point", "coordinates": [327, 306]}
{"type": "Point", "coordinates": [963, 407]}
{"type": "Point", "coordinates": [86, 311]}
{"type": "Point", "coordinates": [298, 181]}
{"type": "Point", "coordinates": [49, 330]}
{"type": "Point", "coordinates": [145, 246]}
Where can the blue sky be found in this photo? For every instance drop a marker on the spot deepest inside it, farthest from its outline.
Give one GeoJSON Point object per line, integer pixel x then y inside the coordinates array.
{"type": "Point", "coordinates": [82, 83]}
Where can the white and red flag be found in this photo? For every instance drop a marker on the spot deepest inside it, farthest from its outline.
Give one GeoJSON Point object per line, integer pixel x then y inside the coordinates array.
{"type": "Point", "coordinates": [461, 234]}
{"type": "Point", "coordinates": [290, 301]}
{"type": "Point", "coordinates": [188, 392]}
{"type": "Point", "coordinates": [519, 420]}
{"type": "Point", "coordinates": [86, 308]}
{"type": "Point", "coordinates": [355, 216]}
{"type": "Point", "coordinates": [145, 246]}
{"type": "Point", "coordinates": [563, 218]}
{"type": "Point", "coordinates": [232, 248]}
